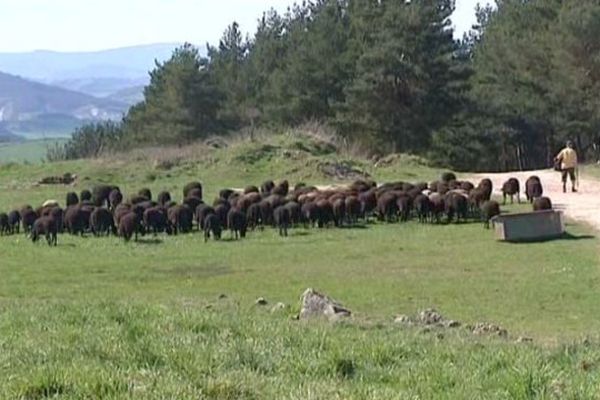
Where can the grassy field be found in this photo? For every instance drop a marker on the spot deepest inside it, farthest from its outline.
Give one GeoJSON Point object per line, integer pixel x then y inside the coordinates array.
{"type": "Point", "coordinates": [31, 151]}
{"type": "Point", "coordinates": [98, 318]}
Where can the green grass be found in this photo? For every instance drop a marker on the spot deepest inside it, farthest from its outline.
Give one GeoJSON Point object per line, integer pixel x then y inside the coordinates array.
{"type": "Point", "coordinates": [98, 318]}
{"type": "Point", "coordinates": [31, 151]}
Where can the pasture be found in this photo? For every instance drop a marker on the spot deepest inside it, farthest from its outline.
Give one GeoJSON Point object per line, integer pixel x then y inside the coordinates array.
{"type": "Point", "coordinates": [30, 151]}
{"type": "Point", "coordinates": [100, 318]}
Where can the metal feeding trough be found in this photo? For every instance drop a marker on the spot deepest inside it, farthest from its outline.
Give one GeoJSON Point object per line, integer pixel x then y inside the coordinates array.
{"type": "Point", "coordinates": [531, 226]}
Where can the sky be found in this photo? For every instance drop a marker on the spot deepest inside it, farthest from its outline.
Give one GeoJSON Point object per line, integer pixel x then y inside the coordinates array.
{"type": "Point", "coordinates": [87, 25]}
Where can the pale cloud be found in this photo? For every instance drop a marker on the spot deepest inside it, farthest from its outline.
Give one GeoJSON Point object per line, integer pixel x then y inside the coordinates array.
{"type": "Point", "coordinates": [76, 25]}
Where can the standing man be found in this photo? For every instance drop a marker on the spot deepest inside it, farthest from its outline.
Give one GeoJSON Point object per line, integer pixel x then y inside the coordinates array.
{"type": "Point", "coordinates": [568, 163]}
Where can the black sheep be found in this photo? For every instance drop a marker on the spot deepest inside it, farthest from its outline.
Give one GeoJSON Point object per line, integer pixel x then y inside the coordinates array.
{"type": "Point", "coordinates": [155, 220]}
{"type": "Point", "coordinates": [145, 192]}
{"type": "Point", "coordinates": [511, 188]}
{"type": "Point", "coordinates": [212, 225]}
{"type": "Point", "coordinates": [267, 187]}
{"type": "Point", "coordinates": [542, 203]}
{"type": "Point", "coordinates": [253, 216]}
{"type": "Point", "coordinates": [28, 217]}
{"type": "Point", "coordinates": [281, 216]}
{"type": "Point", "coordinates": [193, 202]}
{"type": "Point", "coordinates": [202, 211]}
{"type": "Point", "coordinates": [221, 212]}
{"type": "Point", "coordinates": [251, 189]}
{"type": "Point", "coordinates": [236, 223]}
{"type": "Point", "coordinates": [457, 206]}
{"type": "Point", "coordinates": [195, 193]}
{"type": "Point", "coordinates": [85, 195]}
{"type": "Point", "coordinates": [58, 214]}
{"type": "Point", "coordinates": [266, 212]}
{"type": "Point", "coordinates": [533, 188]}
{"type": "Point", "coordinates": [310, 214]}
{"type": "Point", "coordinates": [14, 221]}
{"type": "Point", "coordinates": [115, 197]}
{"type": "Point", "coordinates": [295, 212]}
{"type": "Point", "coordinates": [438, 206]}
{"type": "Point", "coordinates": [180, 218]}
{"type": "Point", "coordinates": [101, 193]}
{"type": "Point", "coordinates": [325, 213]}
{"type": "Point", "coordinates": [102, 222]}
{"type": "Point", "coordinates": [353, 209]}
{"type": "Point", "coordinates": [225, 194]}
{"type": "Point", "coordinates": [119, 211]}
{"type": "Point", "coordinates": [192, 185]}
{"type": "Point", "coordinates": [45, 226]}
{"type": "Point", "coordinates": [163, 198]}
{"type": "Point", "coordinates": [129, 226]}
{"type": "Point", "coordinates": [281, 189]}
{"type": "Point", "coordinates": [71, 199]}
{"type": "Point", "coordinates": [368, 203]}
{"type": "Point", "coordinates": [74, 220]}
{"type": "Point", "coordinates": [448, 176]}
{"type": "Point", "coordinates": [422, 207]}
{"type": "Point", "coordinates": [404, 205]}
{"type": "Point", "coordinates": [4, 227]}
{"type": "Point", "coordinates": [386, 207]}
{"type": "Point", "coordinates": [489, 210]}
{"type": "Point", "coordinates": [338, 207]}
{"type": "Point", "coordinates": [486, 187]}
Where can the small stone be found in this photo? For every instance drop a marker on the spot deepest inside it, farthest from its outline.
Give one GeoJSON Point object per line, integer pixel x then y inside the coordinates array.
{"type": "Point", "coordinates": [430, 317]}
{"type": "Point", "coordinates": [403, 319]}
{"type": "Point", "coordinates": [261, 301]}
{"type": "Point", "coordinates": [315, 304]}
{"type": "Point", "coordinates": [452, 324]}
{"type": "Point", "coordinates": [278, 307]}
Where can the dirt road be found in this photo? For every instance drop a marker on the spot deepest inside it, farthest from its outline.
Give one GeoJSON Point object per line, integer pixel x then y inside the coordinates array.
{"type": "Point", "coordinates": [582, 206]}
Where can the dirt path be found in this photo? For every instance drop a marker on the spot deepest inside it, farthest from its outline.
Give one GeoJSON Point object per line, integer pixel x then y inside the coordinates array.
{"type": "Point", "coordinates": [582, 206]}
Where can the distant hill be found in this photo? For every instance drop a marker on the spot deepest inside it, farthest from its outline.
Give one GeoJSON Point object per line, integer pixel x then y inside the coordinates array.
{"type": "Point", "coordinates": [98, 73]}
{"type": "Point", "coordinates": [31, 107]}
{"type": "Point", "coordinates": [130, 95]}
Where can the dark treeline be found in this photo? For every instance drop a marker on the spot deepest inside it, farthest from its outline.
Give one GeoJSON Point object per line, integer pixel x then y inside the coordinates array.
{"type": "Point", "coordinates": [386, 74]}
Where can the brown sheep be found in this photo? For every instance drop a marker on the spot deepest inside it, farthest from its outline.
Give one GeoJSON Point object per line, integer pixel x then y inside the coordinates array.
{"type": "Point", "coordinates": [267, 187]}
{"type": "Point", "coordinates": [71, 199]}
{"type": "Point", "coordinates": [85, 195]}
{"type": "Point", "coordinates": [202, 211]}
{"type": "Point", "coordinates": [511, 188]}
{"type": "Point", "coordinates": [156, 221]}
{"type": "Point", "coordinates": [101, 193]}
{"type": "Point", "coordinates": [486, 188]}
{"type": "Point", "coordinates": [212, 224]}
{"type": "Point", "coordinates": [542, 203]}
{"type": "Point", "coordinates": [192, 185]}
{"type": "Point", "coordinates": [295, 212]}
{"type": "Point", "coordinates": [129, 226]}
{"type": "Point", "coordinates": [14, 221]}
{"type": "Point", "coordinates": [489, 210]}
{"type": "Point", "coordinates": [386, 207]}
{"type": "Point", "coordinates": [45, 226]}
{"type": "Point", "coordinates": [102, 222]}
{"type": "Point", "coordinates": [282, 220]}
{"type": "Point", "coordinates": [236, 223]}
{"type": "Point", "coordinates": [4, 227]}
{"type": "Point", "coordinates": [28, 217]}
{"type": "Point", "coordinates": [339, 211]}
{"type": "Point", "coordinates": [251, 189]}
{"type": "Point", "coordinates": [422, 207]}
{"type": "Point", "coordinates": [180, 218]}
{"type": "Point", "coordinates": [163, 198]}
{"type": "Point", "coordinates": [115, 198]}
{"type": "Point", "coordinates": [533, 188]}
{"type": "Point", "coordinates": [404, 206]}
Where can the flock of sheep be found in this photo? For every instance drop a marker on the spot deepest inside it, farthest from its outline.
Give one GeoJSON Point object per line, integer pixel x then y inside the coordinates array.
{"type": "Point", "coordinates": [104, 211]}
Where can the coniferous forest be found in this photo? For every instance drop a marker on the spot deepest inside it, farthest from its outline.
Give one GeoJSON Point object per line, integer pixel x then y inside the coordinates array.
{"type": "Point", "coordinates": [389, 76]}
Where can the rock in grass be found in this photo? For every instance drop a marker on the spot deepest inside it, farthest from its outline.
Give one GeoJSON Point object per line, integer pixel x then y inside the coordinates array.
{"type": "Point", "coordinates": [279, 307]}
{"type": "Point", "coordinates": [430, 317]}
{"type": "Point", "coordinates": [261, 301]}
{"type": "Point", "coordinates": [483, 328]}
{"type": "Point", "coordinates": [403, 319]}
{"type": "Point", "coordinates": [315, 304]}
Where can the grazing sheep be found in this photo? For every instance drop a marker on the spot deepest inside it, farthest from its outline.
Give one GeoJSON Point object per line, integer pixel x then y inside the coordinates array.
{"type": "Point", "coordinates": [511, 188]}
{"type": "Point", "coordinates": [221, 212]}
{"type": "Point", "coordinates": [129, 226]}
{"type": "Point", "coordinates": [145, 192]}
{"type": "Point", "coordinates": [195, 193]}
{"type": "Point", "coordinates": [102, 222]}
{"type": "Point", "coordinates": [533, 188]}
{"type": "Point", "coordinates": [58, 214]}
{"type": "Point", "coordinates": [486, 187]}
{"type": "Point", "coordinates": [101, 194]}
{"type": "Point", "coordinates": [404, 206]}
{"type": "Point", "coordinates": [4, 227]}
{"type": "Point", "coordinates": [310, 214]}
{"type": "Point", "coordinates": [85, 195]}
{"type": "Point", "coordinates": [236, 223]}
{"type": "Point", "coordinates": [325, 213]}
{"type": "Point", "coordinates": [44, 226]}
{"type": "Point", "coordinates": [438, 206]}
{"type": "Point", "coordinates": [476, 198]}
{"type": "Point", "coordinates": [115, 197]}
{"type": "Point", "coordinates": [74, 220]}
{"type": "Point", "coordinates": [339, 211]}
{"type": "Point", "coordinates": [542, 203]}
{"type": "Point", "coordinates": [212, 225]}
{"type": "Point", "coordinates": [386, 207]}
{"type": "Point", "coordinates": [181, 218]}
{"type": "Point", "coordinates": [489, 210]}
{"type": "Point", "coordinates": [192, 185]}
{"type": "Point", "coordinates": [282, 189]}
{"type": "Point", "coordinates": [119, 211]}
{"type": "Point", "coordinates": [225, 194]}
{"type": "Point", "coordinates": [163, 198]}
{"type": "Point", "coordinates": [422, 206]}
{"type": "Point", "coordinates": [193, 202]}
{"type": "Point", "coordinates": [137, 199]}
{"type": "Point", "coordinates": [253, 216]}
{"type": "Point", "coordinates": [202, 211]}
{"type": "Point", "coordinates": [353, 209]}
{"type": "Point", "coordinates": [282, 220]}
{"type": "Point", "coordinates": [456, 206]}
{"type": "Point", "coordinates": [295, 212]}
{"type": "Point", "coordinates": [71, 199]}
{"type": "Point", "coordinates": [28, 217]}
{"type": "Point", "coordinates": [368, 203]}
{"type": "Point", "coordinates": [267, 187]}
{"type": "Point", "coordinates": [156, 221]}
{"type": "Point", "coordinates": [467, 186]}
{"type": "Point", "coordinates": [14, 221]}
